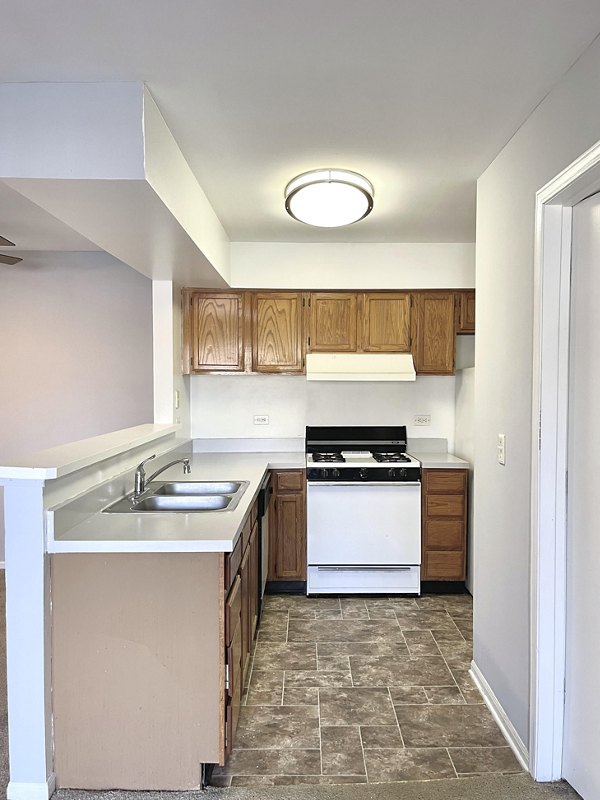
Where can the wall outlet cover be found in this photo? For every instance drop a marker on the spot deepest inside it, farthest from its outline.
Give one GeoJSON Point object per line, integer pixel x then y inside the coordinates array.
{"type": "Point", "coordinates": [261, 419]}
{"type": "Point", "coordinates": [501, 449]}
{"type": "Point", "coordinates": [422, 419]}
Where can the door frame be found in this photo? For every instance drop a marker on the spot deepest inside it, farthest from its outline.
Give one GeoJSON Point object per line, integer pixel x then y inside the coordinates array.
{"type": "Point", "coordinates": [549, 449]}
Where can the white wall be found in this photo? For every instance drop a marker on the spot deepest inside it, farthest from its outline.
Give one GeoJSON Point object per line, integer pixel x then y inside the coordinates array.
{"type": "Point", "coordinates": [563, 126]}
{"type": "Point", "coordinates": [464, 446]}
{"type": "Point", "coordinates": [352, 266]}
{"type": "Point", "coordinates": [75, 352]}
{"type": "Point", "coordinates": [224, 406]}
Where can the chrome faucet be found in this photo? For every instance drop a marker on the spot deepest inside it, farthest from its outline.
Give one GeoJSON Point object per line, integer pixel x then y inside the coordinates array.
{"type": "Point", "coordinates": [141, 480]}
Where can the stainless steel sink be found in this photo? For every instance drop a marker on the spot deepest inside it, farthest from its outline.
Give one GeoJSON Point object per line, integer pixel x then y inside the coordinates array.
{"type": "Point", "coordinates": [189, 497]}
{"type": "Point", "coordinates": [196, 487]}
{"type": "Point", "coordinates": [183, 502]}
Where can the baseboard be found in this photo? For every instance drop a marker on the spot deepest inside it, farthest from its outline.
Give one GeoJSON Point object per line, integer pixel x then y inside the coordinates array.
{"type": "Point", "coordinates": [499, 714]}
{"type": "Point", "coordinates": [2, 565]}
{"type": "Point", "coordinates": [31, 791]}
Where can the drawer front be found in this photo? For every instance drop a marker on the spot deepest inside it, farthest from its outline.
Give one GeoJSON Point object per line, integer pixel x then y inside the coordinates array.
{"type": "Point", "coordinates": [290, 481]}
{"type": "Point", "coordinates": [444, 534]}
{"type": "Point", "coordinates": [449, 480]}
{"type": "Point", "coordinates": [444, 565]}
{"type": "Point", "coordinates": [232, 564]}
{"type": "Point", "coordinates": [233, 610]}
{"type": "Point", "coordinates": [445, 505]}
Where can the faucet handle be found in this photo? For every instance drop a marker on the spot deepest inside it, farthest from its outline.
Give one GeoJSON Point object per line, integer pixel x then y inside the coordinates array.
{"type": "Point", "coordinates": [186, 466]}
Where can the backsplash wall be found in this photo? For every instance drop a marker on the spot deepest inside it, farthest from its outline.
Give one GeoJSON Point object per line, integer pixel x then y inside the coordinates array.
{"type": "Point", "coordinates": [224, 406]}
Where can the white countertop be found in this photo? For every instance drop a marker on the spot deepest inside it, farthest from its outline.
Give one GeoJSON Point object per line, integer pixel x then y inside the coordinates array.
{"type": "Point", "coordinates": [164, 532]}
{"type": "Point", "coordinates": [440, 461]}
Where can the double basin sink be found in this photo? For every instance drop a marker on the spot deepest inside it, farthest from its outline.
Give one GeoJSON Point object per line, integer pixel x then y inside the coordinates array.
{"type": "Point", "coordinates": [183, 496]}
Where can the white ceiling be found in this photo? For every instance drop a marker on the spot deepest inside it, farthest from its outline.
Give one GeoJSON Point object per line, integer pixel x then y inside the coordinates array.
{"type": "Point", "coordinates": [420, 96]}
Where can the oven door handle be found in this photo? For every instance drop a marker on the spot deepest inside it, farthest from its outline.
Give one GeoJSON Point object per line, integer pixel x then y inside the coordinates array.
{"type": "Point", "coordinates": [365, 484]}
{"type": "Point", "coordinates": [363, 568]}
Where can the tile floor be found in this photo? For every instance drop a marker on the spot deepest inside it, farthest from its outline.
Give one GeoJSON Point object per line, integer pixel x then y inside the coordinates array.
{"type": "Point", "coordinates": [363, 690]}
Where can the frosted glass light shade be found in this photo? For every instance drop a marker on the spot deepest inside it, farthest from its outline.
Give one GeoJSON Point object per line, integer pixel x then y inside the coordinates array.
{"type": "Point", "coordinates": [329, 198]}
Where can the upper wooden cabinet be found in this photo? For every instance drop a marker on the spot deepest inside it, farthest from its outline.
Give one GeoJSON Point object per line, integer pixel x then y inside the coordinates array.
{"type": "Point", "coordinates": [465, 312]}
{"type": "Point", "coordinates": [216, 324]}
{"type": "Point", "coordinates": [333, 322]}
{"type": "Point", "coordinates": [386, 323]}
{"type": "Point", "coordinates": [433, 333]}
{"type": "Point", "coordinates": [277, 341]}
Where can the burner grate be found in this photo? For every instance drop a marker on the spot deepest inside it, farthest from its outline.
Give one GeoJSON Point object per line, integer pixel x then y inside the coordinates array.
{"type": "Point", "coordinates": [337, 457]}
{"type": "Point", "coordinates": [388, 457]}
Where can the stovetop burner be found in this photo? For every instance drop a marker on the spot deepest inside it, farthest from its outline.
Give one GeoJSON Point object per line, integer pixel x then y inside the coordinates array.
{"type": "Point", "coordinates": [386, 457]}
{"type": "Point", "coordinates": [337, 457]}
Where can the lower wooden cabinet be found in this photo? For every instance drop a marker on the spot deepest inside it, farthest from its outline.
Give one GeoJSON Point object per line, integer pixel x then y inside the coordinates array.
{"type": "Point", "coordinates": [287, 528]}
{"type": "Point", "coordinates": [444, 524]}
{"type": "Point", "coordinates": [234, 656]}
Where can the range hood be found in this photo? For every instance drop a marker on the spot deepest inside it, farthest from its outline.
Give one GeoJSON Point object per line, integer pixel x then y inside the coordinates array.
{"type": "Point", "coordinates": [360, 367]}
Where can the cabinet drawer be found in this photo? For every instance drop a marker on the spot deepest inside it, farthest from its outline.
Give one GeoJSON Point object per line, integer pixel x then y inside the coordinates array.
{"type": "Point", "coordinates": [451, 480]}
{"type": "Point", "coordinates": [444, 565]}
{"type": "Point", "coordinates": [232, 564]}
{"type": "Point", "coordinates": [233, 610]}
{"type": "Point", "coordinates": [445, 505]}
{"type": "Point", "coordinates": [444, 534]}
{"type": "Point", "coordinates": [289, 481]}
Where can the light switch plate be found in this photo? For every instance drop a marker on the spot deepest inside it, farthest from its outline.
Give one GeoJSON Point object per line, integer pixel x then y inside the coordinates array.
{"type": "Point", "coordinates": [501, 447]}
{"type": "Point", "coordinates": [261, 419]}
{"type": "Point", "coordinates": [422, 419]}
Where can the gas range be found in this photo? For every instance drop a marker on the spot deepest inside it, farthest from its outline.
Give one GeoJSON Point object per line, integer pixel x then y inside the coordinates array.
{"type": "Point", "coordinates": [359, 454]}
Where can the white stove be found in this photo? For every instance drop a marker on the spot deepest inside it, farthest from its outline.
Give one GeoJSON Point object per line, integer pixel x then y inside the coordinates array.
{"type": "Point", "coordinates": [363, 511]}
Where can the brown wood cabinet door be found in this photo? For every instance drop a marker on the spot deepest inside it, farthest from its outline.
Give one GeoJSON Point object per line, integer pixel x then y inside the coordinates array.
{"type": "Point", "coordinates": [253, 589]}
{"type": "Point", "coordinates": [245, 610]}
{"type": "Point", "coordinates": [444, 521]}
{"type": "Point", "coordinates": [236, 680]}
{"type": "Point", "coordinates": [386, 323]}
{"type": "Point", "coordinates": [433, 333]}
{"type": "Point", "coordinates": [466, 312]}
{"type": "Point", "coordinates": [288, 553]}
{"type": "Point", "coordinates": [277, 344]}
{"type": "Point", "coordinates": [333, 322]}
{"type": "Point", "coordinates": [217, 332]}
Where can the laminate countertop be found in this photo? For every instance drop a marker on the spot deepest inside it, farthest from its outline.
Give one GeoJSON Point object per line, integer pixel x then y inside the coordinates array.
{"type": "Point", "coordinates": [82, 527]}
{"type": "Point", "coordinates": [440, 461]}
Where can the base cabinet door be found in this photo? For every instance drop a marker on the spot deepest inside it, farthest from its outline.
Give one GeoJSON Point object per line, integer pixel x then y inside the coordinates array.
{"type": "Point", "coordinates": [246, 589]}
{"type": "Point", "coordinates": [253, 593]}
{"type": "Point", "coordinates": [287, 546]}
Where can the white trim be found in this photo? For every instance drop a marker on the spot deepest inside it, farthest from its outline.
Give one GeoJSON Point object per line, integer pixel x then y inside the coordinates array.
{"type": "Point", "coordinates": [31, 791]}
{"type": "Point", "coordinates": [2, 564]}
{"type": "Point", "coordinates": [499, 714]}
{"type": "Point", "coordinates": [552, 279]}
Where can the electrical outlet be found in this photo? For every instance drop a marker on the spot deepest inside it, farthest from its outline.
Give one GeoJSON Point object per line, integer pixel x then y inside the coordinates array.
{"type": "Point", "coordinates": [501, 448]}
{"type": "Point", "coordinates": [261, 419]}
{"type": "Point", "coordinates": [422, 419]}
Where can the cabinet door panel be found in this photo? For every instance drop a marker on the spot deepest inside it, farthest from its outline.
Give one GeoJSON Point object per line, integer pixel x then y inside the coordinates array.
{"type": "Point", "coordinates": [443, 481]}
{"type": "Point", "coordinates": [466, 312]}
{"type": "Point", "coordinates": [277, 332]}
{"type": "Point", "coordinates": [445, 505]}
{"type": "Point", "coordinates": [245, 616]}
{"type": "Point", "coordinates": [434, 333]}
{"type": "Point", "coordinates": [386, 323]}
{"type": "Point", "coordinates": [291, 544]}
{"type": "Point", "coordinates": [253, 588]}
{"type": "Point", "coordinates": [444, 534]}
{"type": "Point", "coordinates": [234, 663]}
{"type": "Point", "coordinates": [445, 565]}
{"type": "Point", "coordinates": [333, 323]}
{"type": "Point", "coordinates": [218, 332]}
{"type": "Point", "coordinates": [233, 610]}
{"type": "Point", "coordinates": [289, 481]}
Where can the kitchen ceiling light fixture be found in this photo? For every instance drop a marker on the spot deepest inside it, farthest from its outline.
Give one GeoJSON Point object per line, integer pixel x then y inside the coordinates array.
{"type": "Point", "coordinates": [329, 198]}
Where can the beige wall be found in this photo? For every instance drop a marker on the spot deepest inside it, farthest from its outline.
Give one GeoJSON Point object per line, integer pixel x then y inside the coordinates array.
{"type": "Point", "coordinates": [563, 126]}
{"type": "Point", "coordinates": [75, 351]}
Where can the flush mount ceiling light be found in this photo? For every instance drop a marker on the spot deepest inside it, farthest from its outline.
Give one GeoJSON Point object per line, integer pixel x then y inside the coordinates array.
{"type": "Point", "coordinates": [329, 198]}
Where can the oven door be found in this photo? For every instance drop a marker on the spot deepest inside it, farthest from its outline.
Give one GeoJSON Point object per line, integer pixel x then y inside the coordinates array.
{"type": "Point", "coordinates": [363, 524]}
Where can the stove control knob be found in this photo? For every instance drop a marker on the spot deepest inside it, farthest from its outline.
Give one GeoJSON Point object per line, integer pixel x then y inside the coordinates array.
{"type": "Point", "coordinates": [403, 473]}
{"type": "Point", "coordinates": [335, 473]}
{"type": "Point", "coordinates": [363, 472]}
{"type": "Point", "coordinates": [323, 473]}
{"type": "Point", "coordinates": [392, 473]}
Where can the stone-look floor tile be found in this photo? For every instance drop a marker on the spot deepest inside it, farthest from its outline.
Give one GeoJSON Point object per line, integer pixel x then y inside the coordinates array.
{"type": "Point", "coordinates": [380, 609]}
{"type": "Point", "coordinates": [408, 695]}
{"type": "Point", "coordinates": [416, 619]}
{"type": "Point", "coordinates": [421, 643]}
{"type": "Point", "coordinates": [273, 762]}
{"type": "Point", "coordinates": [272, 635]}
{"type": "Point", "coordinates": [467, 687]}
{"type": "Point", "coordinates": [277, 656]}
{"type": "Point", "coordinates": [448, 635]}
{"type": "Point", "coordinates": [409, 671]}
{"type": "Point", "coordinates": [448, 726]}
{"type": "Point", "coordinates": [380, 736]}
{"type": "Point", "coordinates": [313, 606]}
{"type": "Point", "coordinates": [257, 781]}
{"type": "Point", "coordinates": [334, 613]}
{"type": "Point", "coordinates": [462, 650]}
{"type": "Point", "coordinates": [409, 764]}
{"type": "Point", "coordinates": [447, 602]}
{"type": "Point", "coordinates": [402, 602]}
{"type": "Point", "coordinates": [273, 627]}
{"type": "Point", "coordinates": [317, 678]}
{"type": "Point", "coordinates": [379, 630]}
{"type": "Point", "coordinates": [256, 697]}
{"type": "Point", "coordinates": [300, 696]}
{"type": "Point", "coordinates": [340, 663]}
{"type": "Point", "coordinates": [481, 760]}
{"type": "Point", "coordinates": [341, 751]}
{"type": "Point", "coordinates": [331, 649]}
{"type": "Point", "coordinates": [465, 626]}
{"type": "Point", "coordinates": [444, 695]}
{"type": "Point", "coordinates": [354, 608]}
{"type": "Point", "coordinates": [356, 707]}
{"type": "Point", "coordinates": [277, 727]}
{"type": "Point", "coordinates": [266, 680]}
